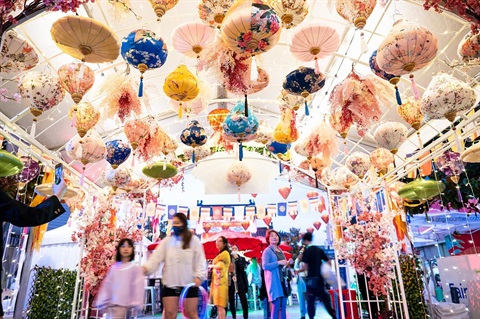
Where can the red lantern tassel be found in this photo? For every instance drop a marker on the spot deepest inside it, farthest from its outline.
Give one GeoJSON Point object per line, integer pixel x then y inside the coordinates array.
{"type": "Point", "coordinates": [416, 95]}
{"type": "Point", "coordinates": [317, 67]}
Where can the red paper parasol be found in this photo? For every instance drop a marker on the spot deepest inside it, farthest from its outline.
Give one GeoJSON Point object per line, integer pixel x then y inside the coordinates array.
{"type": "Point", "coordinates": [285, 247]}
{"type": "Point", "coordinates": [152, 247]}
{"type": "Point", "coordinates": [242, 241]}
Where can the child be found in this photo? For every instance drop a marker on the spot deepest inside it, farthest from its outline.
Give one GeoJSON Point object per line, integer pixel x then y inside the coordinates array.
{"type": "Point", "coordinates": [122, 289]}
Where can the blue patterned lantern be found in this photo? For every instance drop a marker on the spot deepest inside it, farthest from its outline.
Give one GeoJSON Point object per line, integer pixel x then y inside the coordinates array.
{"type": "Point", "coordinates": [117, 152]}
{"type": "Point", "coordinates": [144, 51]}
{"type": "Point", "coordinates": [278, 148]}
{"type": "Point", "coordinates": [393, 79]}
{"type": "Point", "coordinates": [238, 127]}
{"type": "Point", "coordinates": [303, 81]}
{"type": "Point", "coordinates": [194, 135]}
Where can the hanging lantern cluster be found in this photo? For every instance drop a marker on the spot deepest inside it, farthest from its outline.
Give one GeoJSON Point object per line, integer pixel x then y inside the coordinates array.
{"type": "Point", "coordinates": [181, 85]}
{"type": "Point", "coordinates": [303, 82]}
{"type": "Point", "coordinates": [84, 117]}
{"type": "Point", "coordinates": [77, 79]}
{"type": "Point", "coordinates": [17, 54]}
{"type": "Point", "coordinates": [144, 51]}
{"type": "Point", "coordinates": [391, 135]}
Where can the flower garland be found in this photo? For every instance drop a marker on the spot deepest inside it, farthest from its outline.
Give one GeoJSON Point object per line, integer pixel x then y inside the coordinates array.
{"type": "Point", "coordinates": [467, 9]}
{"type": "Point", "coordinates": [99, 227]}
{"type": "Point", "coordinates": [366, 243]}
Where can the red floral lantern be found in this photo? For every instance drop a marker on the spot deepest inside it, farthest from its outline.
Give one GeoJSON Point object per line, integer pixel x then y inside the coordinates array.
{"type": "Point", "coordinates": [77, 79]}
{"type": "Point", "coordinates": [355, 11]}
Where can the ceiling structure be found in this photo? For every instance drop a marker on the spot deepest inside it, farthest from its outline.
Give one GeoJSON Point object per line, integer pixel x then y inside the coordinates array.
{"type": "Point", "coordinates": [54, 127]}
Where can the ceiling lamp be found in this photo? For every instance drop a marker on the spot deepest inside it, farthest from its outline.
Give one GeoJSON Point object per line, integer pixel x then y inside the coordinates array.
{"type": "Point", "coordinates": [190, 39]}
{"type": "Point", "coordinates": [212, 12]}
{"type": "Point", "coordinates": [85, 39]}
{"type": "Point", "coordinates": [355, 11]}
{"type": "Point", "coordinates": [359, 163]}
{"type": "Point", "coordinates": [117, 152]}
{"type": "Point", "coordinates": [251, 27]}
{"type": "Point", "coordinates": [303, 82]}
{"type": "Point", "coordinates": [421, 189]}
{"type": "Point", "coordinates": [445, 96]}
{"type": "Point", "coordinates": [313, 42]}
{"type": "Point", "coordinates": [142, 50]}
{"type": "Point", "coordinates": [84, 117]}
{"type": "Point", "coordinates": [77, 79]}
{"type": "Point", "coordinates": [181, 85]}
{"type": "Point", "coordinates": [469, 48]}
{"type": "Point", "coordinates": [291, 12]}
{"type": "Point", "coordinates": [162, 6]}
{"type": "Point", "coordinates": [17, 54]}
{"type": "Point", "coordinates": [391, 135]}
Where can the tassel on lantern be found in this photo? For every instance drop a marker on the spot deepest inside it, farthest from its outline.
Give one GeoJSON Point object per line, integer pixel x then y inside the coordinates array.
{"type": "Point", "coordinates": [280, 167]}
{"type": "Point", "coordinates": [82, 70]}
{"type": "Point", "coordinates": [180, 110]}
{"type": "Point", "coordinates": [345, 148]}
{"type": "Point", "coordinates": [316, 181]}
{"type": "Point", "coordinates": [420, 143]}
{"type": "Point", "coordinates": [240, 151]}
{"type": "Point", "coordinates": [193, 156]}
{"type": "Point", "coordinates": [253, 70]}
{"type": "Point", "coordinates": [416, 95]}
{"type": "Point", "coordinates": [457, 140]}
{"type": "Point", "coordinates": [246, 105]}
{"type": "Point", "coordinates": [307, 112]}
{"type": "Point", "coordinates": [317, 67]}
{"type": "Point", "coordinates": [34, 128]}
{"type": "Point", "coordinates": [73, 123]}
{"type": "Point", "coordinates": [164, 163]}
{"type": "Point", "coordinates": [140, 87]}
{"type": "Point", "coordinates": [397, 95]}
{"type": "Point", "coordinates": [459, 194]}
{"type": "Point", "coordinates": [238, 192]}
{"type": "Point", "coordinates": [363, 43]}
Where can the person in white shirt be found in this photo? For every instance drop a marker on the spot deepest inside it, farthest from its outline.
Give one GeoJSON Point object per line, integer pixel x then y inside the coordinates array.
{"type": "Point", "coordinates": [184, 262]}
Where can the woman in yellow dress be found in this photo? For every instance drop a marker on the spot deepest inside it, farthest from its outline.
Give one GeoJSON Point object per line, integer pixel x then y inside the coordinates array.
{"type": "Point", "coordinates": [219, 286]}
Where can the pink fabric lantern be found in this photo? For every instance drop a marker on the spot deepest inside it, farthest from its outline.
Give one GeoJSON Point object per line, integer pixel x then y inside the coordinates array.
{"type": "Point", "coordinates": [313, 42]}
{"type": "Point", "coordinates": [136, 131]}
{"type": "Point", "coordinates": [77, 79]}
{"type": "Point", "coordinates": [238, 174]}
{"type": "Point", "coordinates": [469, 48]}
{"type": "Point", "coordinates": [85, 115]}
{"type": "Point", "coordinates": [292, 101]}
{"type": "Point", "coordinates": [355, 11]}
{"type": "Point", "coordinates": [192, 38]}
{"type": "Point", "coordinates": [391, 135]}
{"type": "Point", "coordinates": [344, 177]}
{"type": "Point", "coordinates": [117, 178]}
{"type": "Point", "coordinates": [358, 163]}
{"type": "Point", "coordinates": [381, 158]}
{"type": "Point", "coordinates": [291, 12]}
{"type": "Point", "coordinates": [251, 27]}
{"type": "Point", "coordinates": [411, 113]}
{"type": "Point", "coordinates": [89, 149]}
{"type": "Point", "coordinates": [322, 140]}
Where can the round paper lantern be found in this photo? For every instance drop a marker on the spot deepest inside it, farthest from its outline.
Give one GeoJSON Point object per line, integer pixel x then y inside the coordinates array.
{"type": "Point", "coordinates": [445, 96]}
{"type": "Point", "coordinates": [469, 48]}
{"type": "Point", "coordinates": [17, 54]}
{"type": "Point", "coordinates": [84, 117]}
{"type": "Point", "coordinates": [291, 101]}
{"type": "Point", "coordinates": [358, 163]}
{"type": "Point", "coordinates": [393, 79]}
{"type": "Point", "coordinates": [313, 42]}
{"type": "Point", "coordinates": [391, 135]}
{"type": "Point", "coordinates": [355, 12]}
{"type": "Point", "coordinates": [411, 113]}
{"type": "Point", "coordinates": [322, 140]}
{"type": "Point", "coordinates": [85, 39]}
{"type": "Point", "coordinates": [381, 158]}
{"type": "Point", "coordinates": [407, 48]}
{"type": "Point", "coordinates": [278, 148]}
{"type": "Point", "coordinates": [237, 126]}
{"type": "Point", "coordinates": [160, 170]}
{"type": "Point", "coordinates": [192, 38]}
{"type": "Point", "coordinates": [286, 131]}
{"type": "Point", "coordinates": [212, 12]}
{"type": "Point", "coordinates": [77, 79]}
{"type": "Point", "coordinates": [216, 117]}
{"type": "Point", "coordinates": [136, 131]}
{"type": "Point", "coordinates": [117, 152]}
{"type": "Point", "coordinates": [238, 173]}
{"type": "Point", "coordinates": [181, 85]}
{"type": "Point", "coordinates": [162, 6]}
{"type": "Point", "coordinates": [421, 189]}
{"type": "Point", "coordinates": [291, 13]}
{"type": "Point", "coordinates": [196, 154]}
{"type": "Point", "coordinates": [194, 135]}
{"type": "Point", "coordinates": [41, 91]}
{"type": "Point", "coordinates": [9, 164]}
{"type": "Point", "coordinates": [144, 51]}
{"type": "Point", "coordinates": [303, 81]}
{"type": "Point", "coordinates": [117, 177]}
{"type": "Point", "coordinates": [344, 177]}
{"type": "Point", "coordinates": [250, 27]}
{"type": "Point", "coordinates": [264, 133]}
{"type": "Point", "coordinates": [89, 149]}
{"type": "Point", "coordinates": [338, 124]}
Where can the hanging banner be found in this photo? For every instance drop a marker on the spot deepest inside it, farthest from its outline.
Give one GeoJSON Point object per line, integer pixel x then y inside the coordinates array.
{"type": "Point", "coordinates": [194, 213]}
{"type": "Point", "coordinates": [172, 210]}
{"type": "Point", "coordinates": [217, 212]}
{"type": "Point", "coordinates": [293, 209]}
{"type": "Point", "coordinates": [160, 210]}
{"type": "Point", "coordinates": [261, 211]}
{"type": "Point", "coordinates": [227, 213]}
{"type": "Point", "coordinates": [205, 213]}
{"type": "Point", "coordinates": [282, 209]}
{"type": "Point", "coordinates": [249, 212]}
{"type": "Point", "coordinates": [239, 212]}
{"type": "Point", "coordinates": [272, 209]}
{"type": "Point", "coordinates": [313, 203]}
{"type": "Point", "coordinates": [303, 205]}
{"type": "Point", "coordinates": [184, 210]}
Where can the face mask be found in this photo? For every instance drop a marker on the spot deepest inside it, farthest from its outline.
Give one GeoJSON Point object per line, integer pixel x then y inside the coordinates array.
{"type": "Point", "coordinates": [177, 230]}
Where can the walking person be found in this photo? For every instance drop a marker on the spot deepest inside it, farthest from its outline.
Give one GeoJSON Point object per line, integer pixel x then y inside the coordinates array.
{"type": "Point", "coordinates": [313, 257]}
{"type": "Point", "coordinates": [301, 286]}
{"type": "Point", "coordinates": [274, 264]}
{"type": "Point", "coordinates": [184, 263]}
{"type": "Point", "coordinates": [122, 289]}
{"type": "Point", "coordinates": [219, 285]}
{"type": "Point", "coordinates": [239, 283]}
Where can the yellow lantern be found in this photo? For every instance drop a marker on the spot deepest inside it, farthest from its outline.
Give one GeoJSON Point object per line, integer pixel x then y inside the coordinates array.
{"type": "Point", "coordinates": [84, 117]}
{"type": "Point", "coordinates": [181, 85]}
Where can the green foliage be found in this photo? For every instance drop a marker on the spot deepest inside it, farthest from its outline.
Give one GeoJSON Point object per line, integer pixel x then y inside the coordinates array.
{"type": "Point", "coordinates": [52, 293]}
{"type": "Point", "coordinates": [412, 277]}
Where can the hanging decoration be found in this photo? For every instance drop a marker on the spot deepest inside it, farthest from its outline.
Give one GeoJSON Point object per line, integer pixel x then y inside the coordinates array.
{"type": "Point", "coordinates": [313, 42]}
{"type": "Point", "coordinates": [391, 135]}
{"type": "Point", "coordinates": [471, 155]}
{"type": "Point", "coordinates": [77, 79]}
{"type": "Point", "coordinates": [359, 163]}
{"type": "Point", "coordinates": [42, 91]}
{"type": "Point", "coordinates": [264, 133]}
{"type": "Point", "coordinates": [356, 101]}
{"type": "Point", "coordinates": [191, 38]}
{"type": "Point", "coordinates": [212, 12]}
{"type": "Point", "coordinates": [421, 189]}
{"type": "Point", "coordinates": [355, 12]}
{"type": "Point", "coordinates": [317, 224]}
{"type": "Point", "coordinates": [120, 98]}
{"type": "Point", "coordinates": [16, 54]}
{"type": "Point", "coordinates": [136, 131]}
{"type": "Point", "coordinates": [85, 39]}
{"type": "Point", "coordinates": [9, 164]}
{"type": "Point", "coordinates": [303, 81]}
{"type": "Point", "coordinates": [291, 12]}
{"type": "Point", "coordinates": [162, 6]}
{"type": "Point", "coordinates": [451, 165]}
{"type": "Point", "coordinates": [250, 27]}
{"type": "Point", "coordinates": [193, 107]}
{"type": "Point", "coordinates": [194, 135]}
{"type": "Point", "coordinates": [469, 48]}
{"type": "Point", "coordinates": [280, 150]}
{"type": "Point", "coordinates": [410, 112]}
{"type": "Point", "coordinates": [238, 174]}
{"type": "Point", "coordinates": [215, 118]}
{"type": "Point", "coordinates": [85, 116]}
{"type": "Point", "coordinates": [196, 153]}
{"type": "Point", "coordinates": [117, 152]}
{"type": "Point", "coordinates": [393, 79]}
{"type": "Point", "coordinates": [284, 191]}
{"type": "Point", "coordinates": [286, 131]}
{"type": "Point", "coordinates": [322, 140]}
{"type": "Point", "coordinates": [30, 170]}
{"type": "Point", "coordinates": [181, 85]}
{"type": "Point", "coordinates": [381, 158]}
{"type": "Point", "coordinates": [343, 177]}
{"type": "Point", "coordinates": [116, 177]}
{"type": "Point", "coordinates": [446, 96]}
{"type": "Point", "coordinates": [142, 49]}
{"type": "Point", "coordinates": [407, 48]}
{"type": "Point", "coordinates": [290, 101]}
